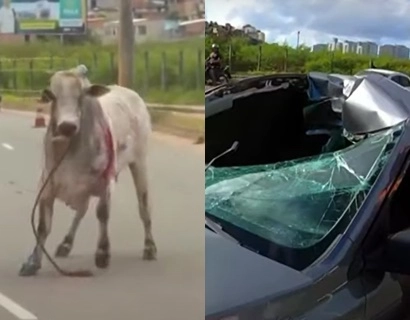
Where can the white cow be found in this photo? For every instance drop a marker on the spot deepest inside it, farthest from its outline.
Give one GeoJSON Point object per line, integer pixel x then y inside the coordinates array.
{"type": "Point", "coordinates": [106, 128]}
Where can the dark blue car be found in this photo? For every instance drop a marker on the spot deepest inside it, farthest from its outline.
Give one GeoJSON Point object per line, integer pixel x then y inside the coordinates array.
{"type": "Point", "coordinates": [309, 218]}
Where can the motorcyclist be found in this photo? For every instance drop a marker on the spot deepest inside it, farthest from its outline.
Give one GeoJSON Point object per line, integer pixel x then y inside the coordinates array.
{"type": "Point", "coordinates": [214, 63]}
{"type": "Point", "coordinates": [215, 58]}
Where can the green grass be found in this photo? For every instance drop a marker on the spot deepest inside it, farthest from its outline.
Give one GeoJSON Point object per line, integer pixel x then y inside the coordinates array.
{"type": "Point", "coordinates": [171, 72]}
{"type": "Point", "coordinates": [176, 96]}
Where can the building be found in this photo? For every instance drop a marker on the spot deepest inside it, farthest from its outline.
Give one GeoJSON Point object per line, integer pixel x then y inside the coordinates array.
{"type": "Point", "coordinates": [145, 30]}
{"type": "Point", "coordinates": [192, 28]}
{"type": "Point", "coordinates": [387, 50]}
{"type": "Point", "coordinates": [335, 46]}
{"type": "Point", "coordinates": [367, 48]}
{"type": "Point", "coordinates": [402, 52]}
{"type": "Point", "coordinates": [253, 33]}
{"type": "Point", "coordinates": [157, 9]}
{"type": "Point", "coordinates": [349, 47]}
{"type": "Point", "coordinates": [180, 9]}
{"type": "Point", "coordinates": [319, 47]}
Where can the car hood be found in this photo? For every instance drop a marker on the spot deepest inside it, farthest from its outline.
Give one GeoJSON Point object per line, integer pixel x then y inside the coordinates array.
{"type": "Point", "coordinates": [236, 276]}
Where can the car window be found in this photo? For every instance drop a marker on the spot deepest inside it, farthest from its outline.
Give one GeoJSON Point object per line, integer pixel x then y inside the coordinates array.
{"type": "Point", "coordinates": [396, 79]}
{"type": "Point", "coordinates": [297, 203]}
{"type": "Point", "coordinates": [404, 81]}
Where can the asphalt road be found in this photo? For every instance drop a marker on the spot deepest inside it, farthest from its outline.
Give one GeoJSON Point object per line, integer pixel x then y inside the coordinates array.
{"type": "Point", "coordinates": [171, 288]}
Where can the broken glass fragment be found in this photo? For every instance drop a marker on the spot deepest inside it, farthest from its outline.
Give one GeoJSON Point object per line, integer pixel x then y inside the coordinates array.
{"type": "Point", "coordinates": [297, 203]}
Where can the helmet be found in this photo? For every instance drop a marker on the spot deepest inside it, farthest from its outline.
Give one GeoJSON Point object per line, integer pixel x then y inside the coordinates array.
{"type": "Point", "coordinates": [215, 46]}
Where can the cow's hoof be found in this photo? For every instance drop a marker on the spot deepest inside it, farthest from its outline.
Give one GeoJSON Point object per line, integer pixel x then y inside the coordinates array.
{"type": "Point", "coordinates": [29, 269]}
{"type": "Point", "coordinates": [150, 253]}
{"type": "Point", "coordinates": [63, 250]}
{"type": "Point", "coordinates": [102, 260]}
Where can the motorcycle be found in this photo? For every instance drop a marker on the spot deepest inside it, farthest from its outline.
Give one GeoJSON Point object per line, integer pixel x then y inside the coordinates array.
{"type": "Point", "coordinates": [215, 75]}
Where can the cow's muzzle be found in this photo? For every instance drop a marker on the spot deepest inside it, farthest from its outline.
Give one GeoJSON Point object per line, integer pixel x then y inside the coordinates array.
{"type": "Point", "coordinates": [67, 129]}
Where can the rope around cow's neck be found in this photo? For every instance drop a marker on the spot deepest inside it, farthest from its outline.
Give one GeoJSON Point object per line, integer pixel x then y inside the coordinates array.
{"type": "Point", "coordinates": [75, 273]}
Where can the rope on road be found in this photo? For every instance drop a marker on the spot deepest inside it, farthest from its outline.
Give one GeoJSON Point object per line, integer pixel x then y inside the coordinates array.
{"type": "Point", "coordinates": [75, 273]}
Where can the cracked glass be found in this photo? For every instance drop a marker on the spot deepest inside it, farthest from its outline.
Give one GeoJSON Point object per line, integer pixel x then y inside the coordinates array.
{"type": "Point", "coordinates": [297, 203]}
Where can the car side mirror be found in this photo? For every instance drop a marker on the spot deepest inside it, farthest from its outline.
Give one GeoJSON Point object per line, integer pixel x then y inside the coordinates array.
{"type": "Point", "coordinates": [396, 254]}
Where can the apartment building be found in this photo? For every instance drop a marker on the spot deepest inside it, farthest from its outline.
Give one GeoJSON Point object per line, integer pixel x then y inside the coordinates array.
{"type": "Point", "coordinates": [319, 47]}
{"type": "Point", "coordinates": [335, 46]}
{"type": "Point", "coordinates": [387, 50]}
{"type": "Point", "coordinates": [367, 48]}
{"type": "Point", "coordinates": [401, 52]}
{"type": "Point", "coordinates": [349, 46]}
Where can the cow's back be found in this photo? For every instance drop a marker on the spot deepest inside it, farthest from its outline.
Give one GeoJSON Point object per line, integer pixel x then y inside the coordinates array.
{"type": "Point", "coordinates": [128, 117]}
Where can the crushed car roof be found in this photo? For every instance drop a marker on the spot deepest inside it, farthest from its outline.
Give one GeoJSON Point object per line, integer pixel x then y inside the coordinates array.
{"type": "Point", "coordinates": [367, 104]}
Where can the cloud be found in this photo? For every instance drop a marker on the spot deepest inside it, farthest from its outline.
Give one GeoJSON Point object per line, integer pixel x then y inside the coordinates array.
{"type": "Point", "coordinates": [318, 20]}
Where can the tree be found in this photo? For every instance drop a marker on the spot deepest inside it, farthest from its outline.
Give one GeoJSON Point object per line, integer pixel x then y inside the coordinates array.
{"type": "Point", "coordinates": [278, 57]}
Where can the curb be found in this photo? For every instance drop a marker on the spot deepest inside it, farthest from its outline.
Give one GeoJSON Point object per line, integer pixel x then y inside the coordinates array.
{"type": "Point", "coordinates": [158, 126]}
{"type": "Point", "coordinates": [178, 108]}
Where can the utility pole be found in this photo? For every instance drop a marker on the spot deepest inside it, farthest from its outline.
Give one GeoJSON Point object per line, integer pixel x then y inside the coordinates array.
{"type": "Point", "coordinates": [126, 45]}
{"type": "Point", "coordinates": [297, 41]}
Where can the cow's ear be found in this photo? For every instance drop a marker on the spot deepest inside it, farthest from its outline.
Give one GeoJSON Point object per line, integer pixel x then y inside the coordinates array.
{"type": "Point", "coordinates": [96, 90]}
{"type": "Point", "coordinates": [47, 96]}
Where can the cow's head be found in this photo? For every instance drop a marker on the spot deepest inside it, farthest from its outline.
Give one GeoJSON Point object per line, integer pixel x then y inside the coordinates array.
{"type": "Point", "coordinates": [66, 93]}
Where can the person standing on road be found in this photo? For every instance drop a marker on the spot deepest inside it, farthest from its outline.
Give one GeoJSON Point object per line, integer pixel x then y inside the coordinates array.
{"type": "Point", "coordinates": [7, 18]}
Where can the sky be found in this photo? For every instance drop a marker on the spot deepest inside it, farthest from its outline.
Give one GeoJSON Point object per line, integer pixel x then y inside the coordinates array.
{"type": "Point", "coordinates": [381, 21]}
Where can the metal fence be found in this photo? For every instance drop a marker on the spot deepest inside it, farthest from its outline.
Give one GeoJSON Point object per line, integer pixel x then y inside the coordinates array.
{"type": "Point", "coordinates": [153, 71]}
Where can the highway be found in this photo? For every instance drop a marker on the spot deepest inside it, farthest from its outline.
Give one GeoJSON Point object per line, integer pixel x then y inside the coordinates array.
{"type": "Point", "coordinates": [171, 288]}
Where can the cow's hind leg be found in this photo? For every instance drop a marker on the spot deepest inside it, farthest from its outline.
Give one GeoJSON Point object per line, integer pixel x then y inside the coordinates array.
{"type": "Point", "coordinates": [33, 263]}
{"type": "Point", "coordinates": [102, 255]}
{"type": "Point", "coordinates": [139, 175]}
{"type": "Point", "coordinates": [64, 248]}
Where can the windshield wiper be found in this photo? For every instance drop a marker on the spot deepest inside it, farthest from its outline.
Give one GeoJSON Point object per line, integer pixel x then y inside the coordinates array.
{"type": "Point", "coordinates": [215, 227]}
{"type": "Point", "coordinates": [233, 148]}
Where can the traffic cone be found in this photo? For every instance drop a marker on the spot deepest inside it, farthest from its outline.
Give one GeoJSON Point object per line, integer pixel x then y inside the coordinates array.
{"type": "Point", "coordinates": [40, 121]}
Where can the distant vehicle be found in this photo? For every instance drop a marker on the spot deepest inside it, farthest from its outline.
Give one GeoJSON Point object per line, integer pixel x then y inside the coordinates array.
{"type": "Point", "coordinates": [398, 77]}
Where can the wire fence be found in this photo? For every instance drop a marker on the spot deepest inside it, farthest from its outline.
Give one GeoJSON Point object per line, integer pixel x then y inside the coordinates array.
{"type": "Point", "coordinates": [154, 71]}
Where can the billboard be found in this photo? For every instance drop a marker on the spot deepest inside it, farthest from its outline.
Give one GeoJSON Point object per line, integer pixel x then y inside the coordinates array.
{"type": "Point", "coordinates": [43, 16]}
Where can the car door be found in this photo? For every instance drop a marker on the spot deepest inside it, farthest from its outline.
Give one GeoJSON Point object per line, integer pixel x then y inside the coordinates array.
{"type": "Point", "coordinates": [385, 290]}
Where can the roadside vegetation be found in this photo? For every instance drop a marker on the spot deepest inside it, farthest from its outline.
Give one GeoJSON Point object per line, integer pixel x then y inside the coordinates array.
{"type": "Point", "coordinates": [245, 58]}
{"type": "Point", "coordinates": [167, 73]}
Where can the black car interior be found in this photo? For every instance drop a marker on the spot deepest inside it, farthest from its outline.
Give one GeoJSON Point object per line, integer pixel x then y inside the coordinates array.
{"type": "Point", "coordinates": [273, 125]}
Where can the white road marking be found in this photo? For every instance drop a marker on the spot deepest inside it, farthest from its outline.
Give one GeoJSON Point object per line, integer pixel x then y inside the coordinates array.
{"type": "Point", "coordinates": [15, 309]}
{"type": "Point", "coordinates": [7, 146]}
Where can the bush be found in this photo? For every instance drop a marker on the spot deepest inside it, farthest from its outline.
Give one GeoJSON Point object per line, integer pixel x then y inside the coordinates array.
{"type": "Point", "coordinates": [175, 69]}
{"type": "Point", "coordinates": [249, 58]}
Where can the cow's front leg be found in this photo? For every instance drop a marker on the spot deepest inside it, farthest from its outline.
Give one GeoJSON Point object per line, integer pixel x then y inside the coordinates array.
{"type": "Point", "coordinates": [33, 263]}
{"type": "Point", "coordinates": [64, 248]}
{"type": "Point", "coordinates": [102, 255]}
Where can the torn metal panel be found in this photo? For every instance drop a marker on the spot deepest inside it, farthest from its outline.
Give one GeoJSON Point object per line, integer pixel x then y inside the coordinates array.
{"type": "Point", "coordinates": [367, 104]}
{"type": "Point", "coordinates": [376, 103]}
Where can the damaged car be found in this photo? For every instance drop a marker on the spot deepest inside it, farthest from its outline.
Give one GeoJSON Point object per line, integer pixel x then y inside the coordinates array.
{"type": "Point", "coordinates": [308, 216]}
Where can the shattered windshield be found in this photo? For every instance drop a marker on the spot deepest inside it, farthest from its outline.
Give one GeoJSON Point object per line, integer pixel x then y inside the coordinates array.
{"type": "Point", "coordinates": [297, 203]}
